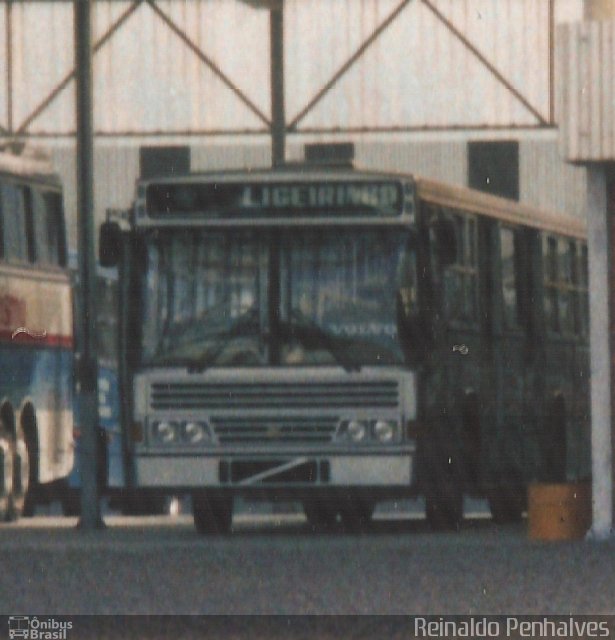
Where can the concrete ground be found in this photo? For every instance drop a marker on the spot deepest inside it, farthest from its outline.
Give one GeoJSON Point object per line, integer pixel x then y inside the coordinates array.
{"type": "Point", "coordinates": [272, 564]}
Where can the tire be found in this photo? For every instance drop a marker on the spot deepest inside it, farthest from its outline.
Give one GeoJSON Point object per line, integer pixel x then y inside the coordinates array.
{"type": "Point", "coordinates": [356, 514]}
{"type": "Point", "coordinates": [33, 486]}
{"type": "Point", "coordinates": [22, 461]}
{"type": "Point", "coordinates": [212, 516]}
{"type": "Point", "coordinates": [162, 506]}
{"type": "Point", "coordinates": [151, 505]}
{"type": "Point", "coordinates": [444, 512]}
{"type": "Point", "coordinates": [70, 499]}
{"type": "Point", "coordinates": [321, 515]}
{"type": "Point", "coordinates": [6, 471]}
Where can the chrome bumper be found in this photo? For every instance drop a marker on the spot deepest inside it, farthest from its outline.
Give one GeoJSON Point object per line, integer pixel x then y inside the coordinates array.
{"type": "Point", "coordinates": [376, 470]}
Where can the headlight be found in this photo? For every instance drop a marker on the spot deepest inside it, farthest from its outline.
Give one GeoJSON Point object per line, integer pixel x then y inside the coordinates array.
{"type": "Point", "coordinates": [194, 432]}
{"type": "Point", "coordinates": [385, 431]}
{"type": "Point", "coordinates": [165, 432]}
{"type": "Point", "coordinates": [356, 430]}
{"type": "Point", "coordinates": [369, 431]}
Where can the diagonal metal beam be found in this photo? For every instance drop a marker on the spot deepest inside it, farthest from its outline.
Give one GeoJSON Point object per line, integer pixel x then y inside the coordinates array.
{"type": "Point", "coordinates": [483, 60]}
{"type": "Point", "coordinates": [347, 65]}
{"type": "Point", "coordinates": [9, 62]}
{"type": "Point", "coordinates": [209, 62]}
{"type": "Point", "coordinates": [55, 92]}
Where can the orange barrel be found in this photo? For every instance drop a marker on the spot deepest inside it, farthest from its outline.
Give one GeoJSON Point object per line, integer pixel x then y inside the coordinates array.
{"type": "Point", "coordinates": [559, 511]}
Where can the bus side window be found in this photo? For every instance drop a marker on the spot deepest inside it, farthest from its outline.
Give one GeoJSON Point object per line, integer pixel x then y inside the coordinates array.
{"type": "Point", "coordinates": [31, 248]}
{"type": "Point", "coordinates": [565, 283]}
{"type": "Point", "coordinates": [550, 278]}
{"type": "Point", "coordinates": [14, 222]}
{"type": "Point", "coordinates": [583, 328]}
{"type": "Point", "coordinates": [461, 276]}
{"type": "Point", "coordinates": [567, 255]}
{"type": "Point", "coordinates": [106, 318]}
{"type": "Point", "coordinates": [50, 238]}
{"type": "Point", "coordinates": [42, 240]}
{"type": "Point", "coordinates": [512, 277]}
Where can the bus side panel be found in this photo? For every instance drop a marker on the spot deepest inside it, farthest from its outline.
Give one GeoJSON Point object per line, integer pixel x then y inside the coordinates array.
{"type": "Point", "coordinates": [565, 437]}
{"type": "Point", "coordinates": [43, 378]}
{"type": "Point", "coordinates": [111, 459]}
{"type": "Point", "coordinates": [559, 409]}
{"type": "Point", "coordinates": [509, 451]}
{"type": "Point", "coordinates": [109, 419]}
{"type": "Point", "coordinates": [36, 338]}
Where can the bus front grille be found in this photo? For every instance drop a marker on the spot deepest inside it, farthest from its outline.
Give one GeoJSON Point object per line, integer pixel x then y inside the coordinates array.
{"type": "Point", "coordinates": [274, 396]}
{"type": "Point", "coordinates": [270, 430]}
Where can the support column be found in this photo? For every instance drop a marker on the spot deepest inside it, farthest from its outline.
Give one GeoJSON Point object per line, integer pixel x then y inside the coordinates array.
{"type": "Point", "coordinates": [587, 114]}
{"type": "Point", "coordinates": [88, 365]}
{"type": "Point", "coordinates": [599, 298]}
{"type": "Point", "coordinates": [278, 115]}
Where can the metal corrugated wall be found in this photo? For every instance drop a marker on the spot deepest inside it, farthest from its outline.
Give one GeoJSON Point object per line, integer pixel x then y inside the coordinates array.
{"type": "Point", "coordinates": [186, 66]}
{"type": "Point", "coordinates": [417, 71]}
{"type": "Point", "coordinates": [231, 156]}
{"type": "Point", "coordinates": [548, 182]}
{"type": "Point", "coordinates": [586, 105]}
{"type": "Point", "coordinates": [180, 65]}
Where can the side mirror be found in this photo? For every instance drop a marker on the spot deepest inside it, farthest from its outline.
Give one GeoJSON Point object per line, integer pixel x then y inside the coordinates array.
{"type": "Point", "coordinates": [109, 244]}
{"type": "Point", "coordinates": [446, 241]}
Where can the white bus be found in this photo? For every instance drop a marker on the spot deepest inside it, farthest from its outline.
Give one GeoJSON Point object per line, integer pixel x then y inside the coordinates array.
{"type": "Point", "coordinates": [341, 338]}
{"type": "Point", "coordinates": [36, 336]}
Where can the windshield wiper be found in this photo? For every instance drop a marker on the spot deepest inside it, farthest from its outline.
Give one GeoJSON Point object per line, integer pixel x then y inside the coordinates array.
{"type": "Point", "coordinates": [309, 333]}
{"type": "Point", "coordinates": [245, 324]}
{"type": "Point", "coordinates": [193, 331]}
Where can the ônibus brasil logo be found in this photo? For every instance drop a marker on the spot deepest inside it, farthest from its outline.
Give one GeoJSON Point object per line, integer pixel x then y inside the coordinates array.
{"type": "Point", "coordinates": [35, 628]}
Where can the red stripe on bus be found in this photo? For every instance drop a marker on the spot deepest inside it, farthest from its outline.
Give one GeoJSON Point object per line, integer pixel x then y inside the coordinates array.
{"type": "Point", "coordinates": [36, 339]}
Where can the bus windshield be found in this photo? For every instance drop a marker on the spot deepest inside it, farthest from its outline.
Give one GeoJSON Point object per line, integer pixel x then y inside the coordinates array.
{"type": "Point", "coordinates": [278, 297]}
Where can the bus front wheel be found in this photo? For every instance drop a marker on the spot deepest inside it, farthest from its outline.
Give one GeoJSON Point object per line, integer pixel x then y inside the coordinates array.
{"type": "Point", "coordinates": [444, 512]}
{"type": "Point", "coordinates": [320, 514]}
{"type": "Point", "coordinates": [212, 515]}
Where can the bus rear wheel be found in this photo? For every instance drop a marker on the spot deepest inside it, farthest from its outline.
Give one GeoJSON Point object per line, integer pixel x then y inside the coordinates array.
{"type": "Point", "coordinates": [356, 514]}
{"type": "Point", "coordinates": [6, 471]}
{"type": "Point", "coordinates": [212, 515]}
{"type": "Point", "coordinates": [21, 475]}
{"type": "Point", "coordinates": [507, 504]}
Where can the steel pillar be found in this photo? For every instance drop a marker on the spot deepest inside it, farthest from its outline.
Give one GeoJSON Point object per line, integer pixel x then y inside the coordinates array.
{"type": "Point", "coordinates": [278, 117]}
{"type": "Point", "coordinates": [87, 365]}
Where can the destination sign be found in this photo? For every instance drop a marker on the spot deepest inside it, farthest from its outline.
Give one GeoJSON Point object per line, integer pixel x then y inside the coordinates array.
{"type": "Point", "coordinates": [220, 200]}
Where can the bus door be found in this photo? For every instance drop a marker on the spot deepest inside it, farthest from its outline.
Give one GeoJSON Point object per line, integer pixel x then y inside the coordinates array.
{"type": "Point", "coordinates": [461, 347]}
{"type": "Point", "coordinates": [516, 359]}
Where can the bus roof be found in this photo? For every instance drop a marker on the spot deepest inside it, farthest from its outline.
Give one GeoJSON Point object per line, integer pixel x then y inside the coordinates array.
{"type": "Point", "coordinates": [502, 209]}
{"type": "Point", "coordinates": [438, 193]}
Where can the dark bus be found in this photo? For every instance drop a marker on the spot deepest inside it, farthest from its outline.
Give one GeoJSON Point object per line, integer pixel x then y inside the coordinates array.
{"type": "Point", "coordinates": [341, 338]}
{"type": "Point", "coordinates": [110, 459]}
